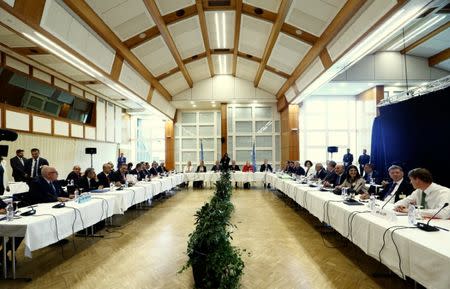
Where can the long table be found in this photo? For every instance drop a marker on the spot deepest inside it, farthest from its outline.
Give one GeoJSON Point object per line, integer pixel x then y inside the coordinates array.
{"type": "Point", "coordinates": [235, 177]}
{"type": "Point", "coordinates": [423, 256]}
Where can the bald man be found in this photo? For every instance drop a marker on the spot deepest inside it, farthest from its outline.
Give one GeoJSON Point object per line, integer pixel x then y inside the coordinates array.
{"type": "Point", "coordinates": [45, 188]}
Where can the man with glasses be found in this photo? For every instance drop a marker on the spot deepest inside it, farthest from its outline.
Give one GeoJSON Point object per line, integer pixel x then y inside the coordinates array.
{"type": "Point", "coordinates": [46, 189]}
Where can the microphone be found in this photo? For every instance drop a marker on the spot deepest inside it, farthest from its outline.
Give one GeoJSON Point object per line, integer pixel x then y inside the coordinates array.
{"type": "Point", "coordinates": [393, 195]}
{"type": "Point", "coordinates": [427, 227]}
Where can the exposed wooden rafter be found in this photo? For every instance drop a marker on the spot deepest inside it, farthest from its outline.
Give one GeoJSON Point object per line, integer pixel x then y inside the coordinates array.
{"type": "Point", "coordinates": [85, 12]}
{"type": "Point", "coordinates": [202, 20]}
{"type": "Point", "coordinates": [153, 32]}
{"type": "Point", "coordinates": [281, 16]}
{"type": "Point", "coordinates": [162, 27]}
{"type": "Point", "coordinates": [341, 19]}
{"type": "Point", "coordinates": [237, 32]}
{"type": "Point", "coordinates": [439, 57]}
{"type": "Point", "coordinates": [426, 37]}
{"type": "Point", "coordinates": [326, 59]}
{"type": "Point", "coordinates": [116, 67]}
{"type": "Point", "coordinates": [258, 60]}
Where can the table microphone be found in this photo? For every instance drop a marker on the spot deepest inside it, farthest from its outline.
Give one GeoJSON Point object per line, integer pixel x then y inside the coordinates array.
{"type": "Point", "coordinates": [393, 195]}
{"type": "Point", "coordinates": [427, 227]}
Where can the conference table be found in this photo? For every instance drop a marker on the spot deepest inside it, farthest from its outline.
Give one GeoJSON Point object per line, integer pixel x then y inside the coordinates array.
{"type": "Point", "coordinates": [237, 176]}
{"type": "Point", "coordinates": [404, 249]}
{"type": "Point", "coordinates": [50, 225]}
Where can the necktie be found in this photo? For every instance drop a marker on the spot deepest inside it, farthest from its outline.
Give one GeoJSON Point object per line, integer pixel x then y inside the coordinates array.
{"type": "Point", "coordinates": [21, 161]}
{"type": "Point", "coordinates": [391, 189]}
{"type": "Point", "coordinates": [423, 203]}
{"type": "Point", "coordinates": [53, 188]}
{"type": "Point", "coordinates": [34, 171]}
{"type": "Point", "coordinates": [338, 181]}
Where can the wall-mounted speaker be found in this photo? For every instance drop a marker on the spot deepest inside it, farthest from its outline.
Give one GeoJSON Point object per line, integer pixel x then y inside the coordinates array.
{"type": "Point", "coordinates": [91, 151]}
{"type": "Point", "coordinates": [332, 149]}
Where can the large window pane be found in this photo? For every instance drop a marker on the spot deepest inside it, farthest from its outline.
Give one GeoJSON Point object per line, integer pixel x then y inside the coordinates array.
{"type": "Point", "coordinates": [338, 138]}
{"type": "Point", "coordinates": [277, 148]}
{"type": "Point", "coordinates": [263, 112]}
{"type": "Point", "coordinates": [316, 138]}
{"type": "Point", "coordinates": [261, 155]}
{"type": "Point", "coordinates": [243, 141]}
{"type": "Point", "coordinates": [218, 123]}
{"type": "Point", "coordinates": [208, 143]}
{"type": "Point", "coordinates": [230, 120]}
{"type": "Point", "coordinates": [316, 154]}
{"type": "Point", "coordinates": [316, 122]}
{"type": "Point", "coordinates": [189, 131]}
{"type": "Point", "coordinates": [189, 156]}
{"type": "Point", "coordinates": [188, 117]}
{"type": "Point", "coordinates": [206, 130]}
{"type": "Point", "coordinates": [243, 155]}
{"type": "Point", "coordinates": [230, 146]}
{"type": "Point", "coordinates": [243, 112]}
{"type": "Point", "coordinates": [189, 143]}
{"type": "Point", "coordinates": [206, 117]}
{"type": "Point", "coordinates": [263, 127]}
{"type": "Point", "coordinates": [277, 126]}
{"type": "Point", "coordinates": [263, 141]}
{"type": "Point", "coordinates": [243, 126]}
{"type": "Point", "coordinates": [209, 157]}
{"type": "Point", "coordinates": [338, 122]}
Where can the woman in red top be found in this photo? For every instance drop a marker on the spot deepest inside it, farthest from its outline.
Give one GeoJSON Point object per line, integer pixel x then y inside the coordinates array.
{"type": "Point", "coordinates": [249, 169]}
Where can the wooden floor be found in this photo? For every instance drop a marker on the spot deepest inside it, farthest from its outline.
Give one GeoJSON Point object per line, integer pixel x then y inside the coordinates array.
{"type": "Point", "coordinates": [286, 250]}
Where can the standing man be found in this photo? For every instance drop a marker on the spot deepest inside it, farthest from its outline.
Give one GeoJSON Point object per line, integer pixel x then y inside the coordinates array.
{"type": "Point", "coordinates": [18, 166]}
{"type": "Point", "coordinates": [348, 158]}
{"type": "Point", "coordinates": [363, 160]}
{"type": "Point", "coordinates": [33, 166]}
{"type": "Point", "coordinates": [121, 160]}
{"type": "Point", "coordinates": [225, 162]}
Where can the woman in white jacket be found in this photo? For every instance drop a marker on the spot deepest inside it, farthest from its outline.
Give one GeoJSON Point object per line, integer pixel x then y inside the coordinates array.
{"type": "Point", "coordinates": [188, 169]}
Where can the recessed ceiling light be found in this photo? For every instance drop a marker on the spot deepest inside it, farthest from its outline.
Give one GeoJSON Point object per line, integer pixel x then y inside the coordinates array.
{"type": "Point", "coordinates": [142, 35]}
{"type": "Point", "coordinates": [213, 105]}
{"type": "Point", "coordinates": [213, 102]}
{"type": "Point", "coordinates": [192, 102]}
{"type": "Point", "coordinates": [194, 105]}
{"type": "Point", "coordinates": [255, 101]}
{"type": "Point", "coordinates": [234, 101]}
{"type": "Point", "coordinates": [298, 32]}
{"type": "Point", "coordinates": [397, 83]}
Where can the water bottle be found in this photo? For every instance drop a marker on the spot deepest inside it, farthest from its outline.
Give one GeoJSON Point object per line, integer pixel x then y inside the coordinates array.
{"type": "Point", "coordinates": [344, 193]}
{"type": "Point", "coordinates": [372, 202]}
{"type": "Point", "coordinates": [112, 187]}
{"type": "Point", "coordinates": [77, 194]}
{"type": "Point", "coordinates": [10, 212]}
{"type": "Point", "coordinates": [411, 215]}
{"type": "Point", "coordinates": [126, 184]}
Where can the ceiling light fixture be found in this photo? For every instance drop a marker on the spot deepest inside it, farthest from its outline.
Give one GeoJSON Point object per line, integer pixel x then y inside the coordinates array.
{"type": "Point", "coordinates": [216, 19]}
{"type": "Point", "coordinates": [223, 31]}
{"type": "Point", "coordinates": [374, 40]}
{"type": "Point", "coordinates": [416, 32]}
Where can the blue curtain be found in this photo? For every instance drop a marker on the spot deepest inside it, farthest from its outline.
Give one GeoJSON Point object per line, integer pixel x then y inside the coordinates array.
{"type": "Point", "coordinates": [414, 133]}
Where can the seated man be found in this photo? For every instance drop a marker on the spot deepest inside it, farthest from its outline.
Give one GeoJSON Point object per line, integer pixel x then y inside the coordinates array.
{"type": "Point", "coordinates": [398, 185]}
{"type": "Point", "coordinates": [265, 167]}
{"type": "Point", "coordinates": [89, 181]}
{"type": "Point", "coordinates": [320, 172]}
{"type": "Point", "coordinates": [45, 188]}
{"type": "Point", "coordinates": [119, 176]}
{"type": "Point", "coordinates": [291, 168]}
{"type": "Point", "coordinates": [162, 169]}
{"type": "Point", "coordinates": [201, 168]}
{"type": "Point", "coordinates": [430, 196]}
{"type": "Point", "coordinates": [298, 170]}
{"type": "Point", "coordinates": [340, 175]}
{"type": "Point", "coordinates": [216, 168]}
{"type": "Point", "coordinates": [370, 174]}
{"type": "Point", "coordinates": [330, 177]}
{"type": "Point", "coordinates": [154, 169]}
{"type": "Point", "coordinates": [234, 168]}
{"type": "Point", "coordinates": [74, 175]}
{"type": "Point", "coordinates": [138, 172]}
{"type": "Point", "coordinates": [146, 169]}
{"type": "Point", "coordinates": [104, 177]}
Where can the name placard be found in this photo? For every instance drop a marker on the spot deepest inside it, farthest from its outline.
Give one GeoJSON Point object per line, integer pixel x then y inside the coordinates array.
{"type": "Point", "coordinates": [388, 215]}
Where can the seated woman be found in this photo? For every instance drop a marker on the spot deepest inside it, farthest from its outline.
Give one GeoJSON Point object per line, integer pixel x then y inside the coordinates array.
{"type": "Point", "coordinates": [200, 169]}
{"type": "Point", "coordinates": [249, 169]}
{"type": "Point", "coordinates": [354, 181]}
{"type": "Point", "coordinates": [188, 169]}
{"type": "Point", "coordinates": [309, 170]}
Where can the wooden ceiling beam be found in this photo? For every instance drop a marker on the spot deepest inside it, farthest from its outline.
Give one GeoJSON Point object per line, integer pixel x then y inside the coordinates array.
{"type": "Point", "coordinates": [326, 59]}
{"type": "Point", "coordinates": [276, 28]}
{"type": "Point", "coordinates": [29, 50]}
{"type": "Point", "coordinates": [425, 38]}
{"type": "Point", "coordinates": [340, 20]}
{"type": "Point", "coordinates": [204, 29]}
{"type": "Point", "coordinates": [162, 27]}
{"type": "Point", "coordinates": [439, 57]}
{"type": "Point", "coordinates": [85, 12]}
{"type": "Point", "coordinates": [237, 32]}
{"type": "Point", "coordinates": [267, 67]}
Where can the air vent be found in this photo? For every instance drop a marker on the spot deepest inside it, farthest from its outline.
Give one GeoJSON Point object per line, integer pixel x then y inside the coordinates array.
{"type": "Point", "coordinates": [194, 57]}
{"type": "Point", "coordinates": [180, 12]}
{"type": "Point", "coordinates": [258, 11]}
{"type": "Point", "coordinates": [219, 2]}
{"type": "Point", "coordinates": [221, 50]}
{"type": "Point", "coordinates": [249, 56]}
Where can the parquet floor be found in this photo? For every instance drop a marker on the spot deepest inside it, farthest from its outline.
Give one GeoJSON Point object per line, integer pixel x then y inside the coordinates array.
{"type": "Point", "coordinates": [286, 250]}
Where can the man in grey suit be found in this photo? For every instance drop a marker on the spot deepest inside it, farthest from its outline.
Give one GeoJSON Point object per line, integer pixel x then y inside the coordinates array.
{"type": "Point", "coordinates": [18, 166]}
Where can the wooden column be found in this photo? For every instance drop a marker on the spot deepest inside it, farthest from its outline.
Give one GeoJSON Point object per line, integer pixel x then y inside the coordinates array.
{"type": "Point", "coordinates": [224, 127]}
{"type": "Point", "coordinates": [375, 93]}
{"type": "Point", "coordinates": [170, 145]}
{"type": "Point", "coordinates": [289, 133]}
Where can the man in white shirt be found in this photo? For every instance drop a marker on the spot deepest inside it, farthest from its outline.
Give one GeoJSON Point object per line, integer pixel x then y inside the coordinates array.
{"type": "Point", "coordinates": [33, 166]}
{"type": "Point", "coordinates": [430, 196]}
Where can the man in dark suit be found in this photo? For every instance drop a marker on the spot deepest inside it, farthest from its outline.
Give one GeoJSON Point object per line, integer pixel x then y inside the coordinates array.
{"type": "Point", "coordinates": [348, 158]}
{"type": "Point", "coordinates": [33, 166]}
{"type": "Point", "coordinates": [121, 160]}
{"type": "Point", "coordinates": [265, 167]}
{"type": "Point", "coordinates": [154, 169]}
{"type": "Point", "coordinates": [225, 161]}
{"type": "Point", "coordinates": [45, 188]}
{"type": "Point", "coordinates": [138, 172]}
{"type": "Point", "coordinates": [234, 168]}
{"type": "Point", "coordinates": [88, 182]}
{"type": "Point", "coordinates": [162, 169]}
{"type": "Point", "coordinates": [340, 175]}
{"type": "Point", "coordinates": [18, 166]}
{"type": "Point", "coordinates": [363, 160]}
{"type": "Point", "coordinates": [298, 170]}
{"type": "Point", "coordinates": [330, 177]}
{"type": "Point", "coordinates": [75, 174]}
{"type": "Point", "coordinates": [216, 168]}
{"type": "Point", "coordinates": [320, 172]}
{"type": "Point", "coordinates": [104, 176]}
{"type": "Point", "coordinates": [119, 176]}
{"type": "Point", "coordinates": [370, 174]}
{"type": "Point", "coordinates": [146, 169]}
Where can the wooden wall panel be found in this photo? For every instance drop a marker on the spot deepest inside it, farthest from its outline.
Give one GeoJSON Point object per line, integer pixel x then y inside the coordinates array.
{"type": "Point", "coordinates": [289, 134]}
{"type": "Point", "coordinates": [224, 127]}
{"type": "Point", "coordinates": [170, 145]}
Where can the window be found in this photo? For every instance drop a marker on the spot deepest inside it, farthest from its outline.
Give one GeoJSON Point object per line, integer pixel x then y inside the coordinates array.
{"type": "Point", "coordinates": [150, 140]}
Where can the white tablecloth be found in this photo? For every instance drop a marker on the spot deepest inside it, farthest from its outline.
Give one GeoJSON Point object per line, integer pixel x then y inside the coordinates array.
{"type": "Point", "coordinates": [425, 256]}
{"type": "Point", "coordinates": [235, 177]}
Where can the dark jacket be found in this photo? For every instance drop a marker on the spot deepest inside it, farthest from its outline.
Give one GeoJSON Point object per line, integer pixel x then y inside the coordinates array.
{"type": "Point", "coordinates": [225, 162]}
{"type": "Point", "coordinates": [153, 171]}
{"type": "Point", "coordinates": [263, 168]}
{"type": "Point", "coordinates": [117, 177]}
{"type": "Point", "coordinates": [405, 188]}
{"type": "Point", "coordinates": [198, 169]}
{"type": "Point", "coordinates": [73, 176]}
{"type": "Point", "coordinates": [216, 168]}
{"type": "Point", "coordinates": [29, 165]}
{"type": "Point", "coordinates": [18, 170]}
{"type": "Point", "coordinates": [375, 177]}
{"type": "Point", "coordinates": [339, 180]}
{"type": "Point", "coordinates": [162, 170]}
{"type": "Point", "coordinates": [140, 175]}
{"type": "Point", "coordinates": [320, 174]}
{"type": "Point", "coordinates": [330, 177]}
{"type": "Point", "coordinates": [43, 192]}
{"type": "Point", "coordinates": [103, 180]}
{"type": "Point", "coordinates": [348, 159]}
{"type": "Point", "coordinates": [234, 168]}
{"type": "Point", "coordinates": [300, 171]}
{"type": "Point", "coordinates": [87, 186]}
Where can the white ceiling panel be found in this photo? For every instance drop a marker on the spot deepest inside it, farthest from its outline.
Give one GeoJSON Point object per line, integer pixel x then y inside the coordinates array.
{"type": "Point", "coordinates": [106, 90]}
{"type": "Point", "coordinates": [444, 65]}
{"type": "Point", "coordinates": [11, 39]}
{"type": "Point", "coordinates": [188, 37]}
{"type": "Point", "coordinates": [287, 53]}
{"type": "Point", "coordinates": [271, 5]}
{"type": "Point", "coordinates": [198, 70]}
{"type": "Point", "coordinates": [175, 83]}
{"type": "Point", "coordinates": [125, 18]}
{"type": "Point", "coordinates": [433, 46]}
{"type": "Point", "coordinates": [220, 25]}
{"type": "Point", "coordinates": [168, 6]}
{"type": "Point", "coordinates": [271, 82]}
{"type": "Point", "coordinates": [254, 35]}
{"type": "Point", "coordinates": [246, 69]}
{"type": "Point", "coordinates": [223, 63]}
{"type": "Point", "coordinates": [313, 16]}
{"type": "Point", "coordinates": [155, 55]}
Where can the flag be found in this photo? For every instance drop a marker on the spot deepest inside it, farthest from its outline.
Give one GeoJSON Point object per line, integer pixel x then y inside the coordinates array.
{"type": "Point", "coordinates": [201, 150]}
{"type": "Point", "coordinates": [254, 157]}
